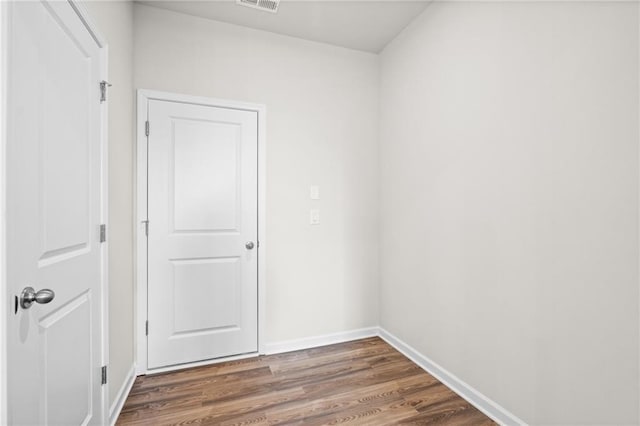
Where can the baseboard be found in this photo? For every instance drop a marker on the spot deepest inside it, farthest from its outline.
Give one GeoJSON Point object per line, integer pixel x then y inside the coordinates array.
{"type": "Point", "coordinates": [315, 341]}
{"type": "Point", "coordinates": [475, 398]}
{"type": "Point", "coordinates": [123, 393]}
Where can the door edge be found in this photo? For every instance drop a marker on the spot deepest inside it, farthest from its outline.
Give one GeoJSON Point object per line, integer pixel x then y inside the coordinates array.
{"type": "Point", "coordinates": [4, 290]}
{"type": "Point", "coordinates": [103, 46]}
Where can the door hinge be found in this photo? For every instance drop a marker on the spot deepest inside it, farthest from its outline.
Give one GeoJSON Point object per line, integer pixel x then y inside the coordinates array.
{"type": "Point", "coordinates": [104, 374]}
{"type": "Point", "coordinates": [103, 233]}
{"type": "Point", "coordinates": [146, 128]}
{"type": "Point", "coordinates": [146, 328]}
{"type": "Point", "coordinates": [146, 227]}
{"type": "Point", "coordinates": [103, 90]}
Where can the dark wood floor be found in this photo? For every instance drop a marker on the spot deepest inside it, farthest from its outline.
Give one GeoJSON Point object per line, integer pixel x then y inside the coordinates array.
{"type": "Point", "coordinates": [364, 382]}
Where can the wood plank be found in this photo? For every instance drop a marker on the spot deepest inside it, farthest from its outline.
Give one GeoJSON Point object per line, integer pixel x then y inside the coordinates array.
{"type": "Point", "coordinates": [322, 410]}
{"type": "Point", "coordinates": [363, 382]}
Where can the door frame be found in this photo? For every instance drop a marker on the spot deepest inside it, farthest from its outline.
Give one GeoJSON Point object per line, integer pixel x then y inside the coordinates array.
{"type": "Point", "coordinates": [5, 297]}
{"type": "Point", "coordinates": [140, 305]}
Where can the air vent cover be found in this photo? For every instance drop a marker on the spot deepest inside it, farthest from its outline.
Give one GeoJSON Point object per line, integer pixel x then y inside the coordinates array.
{"type": "Point", "coordinates": [266, 5]}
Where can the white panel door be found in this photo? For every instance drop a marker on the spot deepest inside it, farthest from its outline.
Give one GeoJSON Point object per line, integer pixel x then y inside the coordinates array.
{"type": "Point", "coordinates": [53, 217]}
{"type": "Point", "coordinates": [202, 212]}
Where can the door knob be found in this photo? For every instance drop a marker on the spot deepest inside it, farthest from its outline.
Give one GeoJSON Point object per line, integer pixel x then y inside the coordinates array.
{"type": "Point", "coordinates": [249, 245]}
{"type": "Point", "coordinates": [29, 295]}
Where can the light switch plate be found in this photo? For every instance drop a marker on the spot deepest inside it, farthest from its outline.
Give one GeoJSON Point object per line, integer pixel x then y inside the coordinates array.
{"type": "Point", "coordinates": [314, 217]}
{"type": "Point", "coordinates": [314, 192]}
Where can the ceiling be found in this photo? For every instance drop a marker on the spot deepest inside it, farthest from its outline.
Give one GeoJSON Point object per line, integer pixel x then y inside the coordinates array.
{"type": "Point", "coordinates": [356, 24]}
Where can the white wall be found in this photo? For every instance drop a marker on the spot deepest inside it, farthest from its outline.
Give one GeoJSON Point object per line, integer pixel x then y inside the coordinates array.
{"type": "Point", "coordinates": [114, 20]}
{"type": "Point", "coordinates": [321, 129]}
{"type": "Point", "coordinates": [509, 202]}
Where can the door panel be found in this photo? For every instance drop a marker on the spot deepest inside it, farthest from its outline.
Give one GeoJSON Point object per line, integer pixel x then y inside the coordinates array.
{"type": "Point", "coordinates": [214, 281]}
{"type": "Point", "coordinates": [206, 176]}
{"type": "Point", "coordinates": [202, 210]}
{"type": "Point", "coordinates": [65, 190]}
{"type": "Point", "coordinates": [53, 215]}
{"type": "Point", "coordinates": [70, 369]}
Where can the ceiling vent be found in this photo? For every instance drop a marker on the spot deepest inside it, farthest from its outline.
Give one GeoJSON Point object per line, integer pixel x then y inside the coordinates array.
{"type": "Point", "coordinates": [266, 5]}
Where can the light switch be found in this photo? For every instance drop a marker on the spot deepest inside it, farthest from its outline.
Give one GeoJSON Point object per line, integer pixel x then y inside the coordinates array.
{"type": "Point", "coordinates": [314, 217]}
{"type": "Point", "coordinates": [314, 192]}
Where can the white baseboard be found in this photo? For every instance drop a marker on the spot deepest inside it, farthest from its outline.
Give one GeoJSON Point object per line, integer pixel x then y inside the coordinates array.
{"type": "Point", "coordinates": [315, 341]}
{"type": "Point", "coordinates": [475, 398]}
{"type": "Point", "coordinates": [123, 393]}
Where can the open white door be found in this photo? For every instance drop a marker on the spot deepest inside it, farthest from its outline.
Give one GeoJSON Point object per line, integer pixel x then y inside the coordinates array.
{"type": "Point", "coordinates": [54, 206]}
{"type": "Point", "coordinates": [203, 229]}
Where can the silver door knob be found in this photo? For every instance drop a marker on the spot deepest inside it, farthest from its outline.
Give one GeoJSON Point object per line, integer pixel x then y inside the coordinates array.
{"type": "Point", "coordinates": [29, 295]}
{"type": "Point", "coordinates": [249, 245]}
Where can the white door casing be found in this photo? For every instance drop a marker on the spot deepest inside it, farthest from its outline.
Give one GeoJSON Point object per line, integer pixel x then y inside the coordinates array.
{"type": "Point", "coordinates": [56, 201]}
{"type": "Point", "coordinates": [203, 232]}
